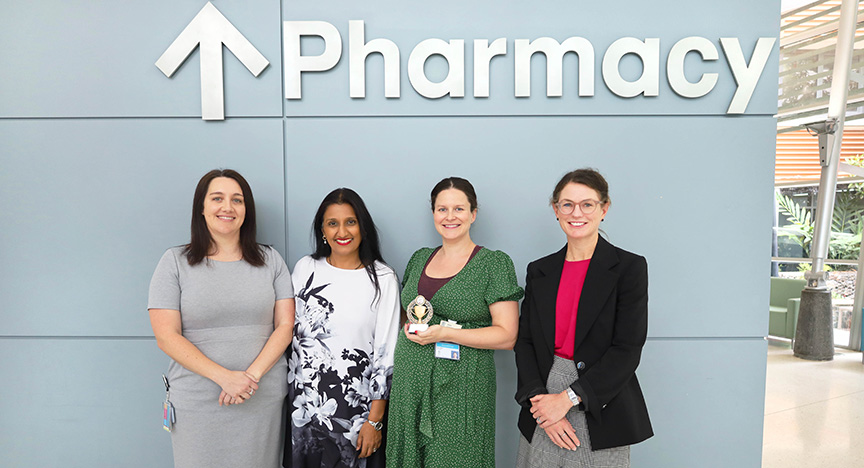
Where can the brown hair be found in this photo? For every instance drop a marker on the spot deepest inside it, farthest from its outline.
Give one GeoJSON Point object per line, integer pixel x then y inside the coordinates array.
{"type": "Point", "coordinates": [199, 244]}
{"type": "Point", "coordinates": [457, 183]}
{"type": "Point", "coordinates": [588, 177]}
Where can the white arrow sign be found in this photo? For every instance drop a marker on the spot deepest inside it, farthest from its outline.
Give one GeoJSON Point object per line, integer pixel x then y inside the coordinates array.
{"type": "Point", "coordinates": [211, 29]}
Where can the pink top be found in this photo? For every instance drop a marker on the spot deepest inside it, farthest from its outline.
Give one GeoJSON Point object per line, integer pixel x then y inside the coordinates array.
{"type": "Point", "coordinates": [567, 305]}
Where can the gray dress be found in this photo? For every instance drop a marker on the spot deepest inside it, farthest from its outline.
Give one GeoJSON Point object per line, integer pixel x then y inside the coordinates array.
{"type": "Point", "coordinates": [227, 312]}
{"type": "Point", "coordinates": [541, 452]}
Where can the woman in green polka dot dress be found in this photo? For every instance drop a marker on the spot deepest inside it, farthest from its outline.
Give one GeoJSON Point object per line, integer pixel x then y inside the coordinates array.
{"type": "Point", "coordinates": [442, 409]}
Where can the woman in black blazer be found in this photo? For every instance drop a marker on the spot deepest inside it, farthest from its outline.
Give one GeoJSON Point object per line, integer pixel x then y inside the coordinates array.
{"type": "Point", "coordinates": [583, 324]}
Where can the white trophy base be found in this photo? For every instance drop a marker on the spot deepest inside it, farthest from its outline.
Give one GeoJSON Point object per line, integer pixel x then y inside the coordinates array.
{"type": "Point", "coordinates": [417, 327]}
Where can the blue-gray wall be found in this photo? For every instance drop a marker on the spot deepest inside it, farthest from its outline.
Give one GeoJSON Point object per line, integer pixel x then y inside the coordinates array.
{"type": "Point", "coordinates": [100, 152]}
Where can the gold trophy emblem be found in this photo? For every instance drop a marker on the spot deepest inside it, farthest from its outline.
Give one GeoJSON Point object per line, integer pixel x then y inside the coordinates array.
{"type": "Point", "coordinates": [419, 314]}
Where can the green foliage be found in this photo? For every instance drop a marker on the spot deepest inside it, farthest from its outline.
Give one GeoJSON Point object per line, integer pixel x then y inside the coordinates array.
{"type": "Point", "coordinates": [801, 229]}
{"type": "Point", "coordinates": [847, 213]}
{"type": "Point", "coordinates": [857, 160]}
{"type": "Point", "coordinates": [802, 267]}
{"type": "Point", "coordinates": [847, 224]}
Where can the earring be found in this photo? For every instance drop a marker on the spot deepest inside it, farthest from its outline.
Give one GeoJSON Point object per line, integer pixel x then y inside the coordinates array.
{"type": "Point", "coordinates": [325, 239]}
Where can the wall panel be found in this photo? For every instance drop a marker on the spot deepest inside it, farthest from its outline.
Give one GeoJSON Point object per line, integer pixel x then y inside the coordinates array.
{"type": "Point", "coordinates": [91, 206]}
{"type": "Point", "coordinates": [671, 200]}
{"type": "Point", "coordinates": [100, 152]}
{"type": "Point", "coordinates": [82, 403]}
{"type": "Point", "coordinates": [79, 58]}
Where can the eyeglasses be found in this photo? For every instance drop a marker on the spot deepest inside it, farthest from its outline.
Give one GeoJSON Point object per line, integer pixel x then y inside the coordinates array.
{"type": "Point", "coordinates": [587, 206]}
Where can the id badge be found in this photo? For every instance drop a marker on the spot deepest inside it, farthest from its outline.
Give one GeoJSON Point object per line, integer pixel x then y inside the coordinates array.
{"type": "Point", "coordinates": [168, 416]}
{"type": "Point", "coordinates": [445, 350]}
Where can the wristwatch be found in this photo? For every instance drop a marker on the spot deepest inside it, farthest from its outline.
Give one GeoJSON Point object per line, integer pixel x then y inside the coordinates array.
{"type": "Point", "coordinates": [377, 425]}
{"type": "Point", "coordinates": [574, 398]}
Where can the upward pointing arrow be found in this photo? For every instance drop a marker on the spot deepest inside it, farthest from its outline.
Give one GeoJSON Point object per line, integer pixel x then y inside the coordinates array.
{"type": "Point", "coordinates": [211, 29]}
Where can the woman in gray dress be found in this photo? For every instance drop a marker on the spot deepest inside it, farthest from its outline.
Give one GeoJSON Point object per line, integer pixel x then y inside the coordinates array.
{"type": "Point", "coordinates": [222, 309]}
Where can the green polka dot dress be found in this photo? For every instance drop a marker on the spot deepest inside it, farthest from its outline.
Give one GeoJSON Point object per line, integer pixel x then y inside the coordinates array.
{"type": "Point", "coordinates": [442, 412]}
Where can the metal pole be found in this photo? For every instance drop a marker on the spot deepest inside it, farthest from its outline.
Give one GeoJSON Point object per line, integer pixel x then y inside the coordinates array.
{"type": "Point", "coordinates": [855, 328]}
{"type": "Point", "coordinates": [836, 118]}
{"type": "Point", "coordinates": [825, 202]}
{"type": "Point", "coordinates": [814, 337]}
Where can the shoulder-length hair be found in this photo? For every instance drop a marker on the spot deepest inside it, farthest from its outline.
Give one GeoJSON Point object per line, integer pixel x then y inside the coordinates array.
{"type": "Point", "coordinates": [370, 249]}
{"type": "Point", "coordinates": [200, 242]}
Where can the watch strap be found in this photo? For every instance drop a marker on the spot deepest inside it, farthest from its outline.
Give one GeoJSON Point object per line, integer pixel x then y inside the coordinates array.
{"type": "Point", "coordinates": [574, 398]}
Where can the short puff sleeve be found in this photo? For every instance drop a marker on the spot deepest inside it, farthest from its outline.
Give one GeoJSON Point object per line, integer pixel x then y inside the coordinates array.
{"type": "Point", "coordinates": [282, 285]}
{"type": "Point", "coordinates": [165, 283]}
{"type": "Point", "coordinates": [502, 282]}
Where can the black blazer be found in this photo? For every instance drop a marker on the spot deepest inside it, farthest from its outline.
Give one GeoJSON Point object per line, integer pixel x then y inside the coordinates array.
{"type": "Point", "coordinates": [611, 327]}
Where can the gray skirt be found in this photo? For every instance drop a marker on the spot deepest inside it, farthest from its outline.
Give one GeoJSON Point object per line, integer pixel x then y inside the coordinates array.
{"type": "Point", "coordinates": [543, 453]}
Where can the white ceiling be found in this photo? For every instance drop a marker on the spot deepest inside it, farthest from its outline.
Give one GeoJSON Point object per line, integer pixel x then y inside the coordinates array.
{"type": "Point", "coordinates": [786, 5]}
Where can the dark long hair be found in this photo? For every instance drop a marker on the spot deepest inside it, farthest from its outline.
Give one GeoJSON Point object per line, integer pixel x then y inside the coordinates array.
{"type": "Point", "coordinates": [370, 249]}
{"type": "Point", "coordinates": [199, 244]}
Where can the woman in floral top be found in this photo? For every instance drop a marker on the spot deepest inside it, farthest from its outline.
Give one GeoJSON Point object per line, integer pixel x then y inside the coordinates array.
{"type": "Point", "coordinates": [341, 360]}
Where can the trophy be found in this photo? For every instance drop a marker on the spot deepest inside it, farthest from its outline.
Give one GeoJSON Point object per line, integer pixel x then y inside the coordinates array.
{"type": "Point", "coordinates": [419, 314]}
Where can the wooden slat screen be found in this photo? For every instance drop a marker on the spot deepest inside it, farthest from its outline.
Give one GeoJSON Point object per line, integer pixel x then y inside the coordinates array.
{"type": "Point", "coordinates": [798, 154]}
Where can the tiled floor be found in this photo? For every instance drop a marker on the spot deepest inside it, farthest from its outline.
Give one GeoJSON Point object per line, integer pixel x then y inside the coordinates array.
{"type": "Point", "coordinates": [814, 411]}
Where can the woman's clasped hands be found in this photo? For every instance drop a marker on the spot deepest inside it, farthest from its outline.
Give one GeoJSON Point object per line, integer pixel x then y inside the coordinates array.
{"type": "Point", "coordinates": [549, 411]}
{"type": "Point", "coordinates": [237, 387]}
